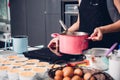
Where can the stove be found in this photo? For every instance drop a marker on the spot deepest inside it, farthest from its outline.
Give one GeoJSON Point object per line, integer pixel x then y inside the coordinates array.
{"type": "Point", "coordinates": [45, 54]}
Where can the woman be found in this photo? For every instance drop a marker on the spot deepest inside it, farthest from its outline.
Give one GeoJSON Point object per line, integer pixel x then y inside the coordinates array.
{"type": "Point", "coordinates": [94, 18]}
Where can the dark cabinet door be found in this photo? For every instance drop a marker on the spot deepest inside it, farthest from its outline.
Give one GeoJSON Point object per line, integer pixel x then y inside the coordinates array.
{"type": "Point", "coordinates": [53, 6]}
{"type": "Point", "coordinates": [52, 25]}
{"type": "Point", "coordinates": [36, 22]}
{"type": "Point", "coordinates": [18, 17]}
{"type": "Point", "coordinates": [53, 14]}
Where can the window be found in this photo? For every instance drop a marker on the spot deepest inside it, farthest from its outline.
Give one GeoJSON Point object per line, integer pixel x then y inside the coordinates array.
{"type": "Point", "coordinates": [4, 11]}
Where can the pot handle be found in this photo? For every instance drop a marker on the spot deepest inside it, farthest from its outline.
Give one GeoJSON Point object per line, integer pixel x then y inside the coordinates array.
{"type": "Point", "coordinates": [54, 44]}
{"type": "Point", "coordinates": [54, 35]}
{"type": "Point", "coordinates": [88, 39]}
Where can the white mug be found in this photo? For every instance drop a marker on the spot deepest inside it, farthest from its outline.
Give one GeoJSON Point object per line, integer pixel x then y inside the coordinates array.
{"type": "Point", "coordinates": [20, 43]}
{"type": "Point", "coordinates": [114, 67]}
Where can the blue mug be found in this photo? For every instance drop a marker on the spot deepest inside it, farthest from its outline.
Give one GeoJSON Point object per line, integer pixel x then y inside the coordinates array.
{"type": "Point", "coordinates": [20, 43]}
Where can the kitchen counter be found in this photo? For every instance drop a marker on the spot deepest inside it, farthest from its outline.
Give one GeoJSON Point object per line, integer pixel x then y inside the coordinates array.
{"type": "Point", "coordinates": [46, 66]}
{"type": "Point", "coordinates": [11, 60]}
{"type": "Point", "coordinates": [4, 52]}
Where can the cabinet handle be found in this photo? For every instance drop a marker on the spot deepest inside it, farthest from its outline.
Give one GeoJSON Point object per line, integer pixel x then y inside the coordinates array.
{"type": "Point", "coordinates": [45, 12]}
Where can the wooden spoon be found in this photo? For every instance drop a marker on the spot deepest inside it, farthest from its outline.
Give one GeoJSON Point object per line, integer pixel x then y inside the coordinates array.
{"type": "Point", "coordinates": [65, 28]}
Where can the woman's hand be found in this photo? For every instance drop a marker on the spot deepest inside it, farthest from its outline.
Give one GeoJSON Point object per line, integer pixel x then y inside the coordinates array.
{"type": "Point", "coordinates": [53, 46]}
{"type": "Point", "coordinates": [97, 35]}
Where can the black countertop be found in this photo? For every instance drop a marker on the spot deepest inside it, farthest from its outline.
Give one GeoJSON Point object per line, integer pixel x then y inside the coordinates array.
{"type": "Point", "coordinates": [45, 54]}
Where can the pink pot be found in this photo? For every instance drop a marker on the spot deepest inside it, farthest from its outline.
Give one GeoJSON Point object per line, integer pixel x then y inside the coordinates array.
{"type": "Point", "coordinates": [73, 44]}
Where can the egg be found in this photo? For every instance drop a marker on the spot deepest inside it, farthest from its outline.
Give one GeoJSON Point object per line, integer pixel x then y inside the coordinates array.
{"type": "Point", "coordinates": [58, 78]}
{"type": "Point", "coordinates": [78, 71]}
{"type": "Point", "coordinates": [68, 71]}
{"type": "Point", "coordinates": [66, 78]}
{"type": "Point", "coordinates": [87, 76]}
{"type": "Point", "coordinates": [76, 77]}
{"type": "Point", "coordinates": [92, 78]}
{"type": "Point", "coordinates": [59, 73]}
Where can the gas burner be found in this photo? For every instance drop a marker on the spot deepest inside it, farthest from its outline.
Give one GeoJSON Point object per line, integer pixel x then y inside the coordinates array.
{"type": "Point", "coordinates": [45, 54]}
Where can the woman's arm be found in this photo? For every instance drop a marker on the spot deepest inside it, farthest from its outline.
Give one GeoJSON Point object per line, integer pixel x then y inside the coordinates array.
{"type": "Point", "coordinates": [97, 35]}
{"type": "Point", "coordinates": [114, 27]}
{"type": "Point", "coordinates": [75, 26]}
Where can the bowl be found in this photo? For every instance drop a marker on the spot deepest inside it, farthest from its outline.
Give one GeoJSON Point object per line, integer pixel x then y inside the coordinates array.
{"type": "Point", "coordinates": [97, 58]}
{"type": "Point", "coordinates": [97, 74]}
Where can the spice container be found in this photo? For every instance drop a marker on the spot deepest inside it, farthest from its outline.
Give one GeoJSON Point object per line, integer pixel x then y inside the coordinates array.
{"type": "Point", "coordinates": [114, 67]}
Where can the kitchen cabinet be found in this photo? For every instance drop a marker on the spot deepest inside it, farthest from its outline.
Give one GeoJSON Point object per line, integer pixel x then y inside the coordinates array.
{"type": "Point", "coordinates": [35, 18]}
{"type": "Point", "coordinates": [53, 26]}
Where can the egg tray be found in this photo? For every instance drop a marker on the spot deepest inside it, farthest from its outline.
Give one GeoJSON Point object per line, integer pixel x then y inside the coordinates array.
{"type": "Point", "coordinates": [97, 74]}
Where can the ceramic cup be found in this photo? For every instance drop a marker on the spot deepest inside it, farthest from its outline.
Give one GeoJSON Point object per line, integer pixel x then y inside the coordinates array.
{"type": "Point", "coordinates": [27, 75]}
{"type": "Point", "coordinates": [3, 72]}
{"type": "Point", "coordinates": [13, 74]}
{"type": "Point", "coordinates": [40, 72]}
{"type": "Point", "coordinates": [20, 43]}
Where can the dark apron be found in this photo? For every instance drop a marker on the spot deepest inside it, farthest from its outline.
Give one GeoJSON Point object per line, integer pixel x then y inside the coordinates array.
{"type": "Point", "coordinates": [92, 16]}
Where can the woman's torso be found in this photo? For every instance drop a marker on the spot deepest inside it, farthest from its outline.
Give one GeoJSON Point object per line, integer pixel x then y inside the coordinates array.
{"type": "Point", "coordinates": [94, 13]}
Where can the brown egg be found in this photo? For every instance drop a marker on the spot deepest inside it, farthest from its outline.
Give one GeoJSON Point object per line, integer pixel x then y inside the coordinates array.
{"type": "Point", "coordinates": [58, 78]}
{"type": "Point", "coordinates": [87, 76]}
{"type": "Point", "coordinates": [68, 71]}
{"type": "Point", "coordinates": [66, 78]}
{"type": "Point", "coordinates": [92, 78]}
{"type": "Point", "coordinates": [59, 73]}
{"type": "Point", "coordinates": [76, 77]}
{"type": "Point", "coordinates": [78, 71]}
